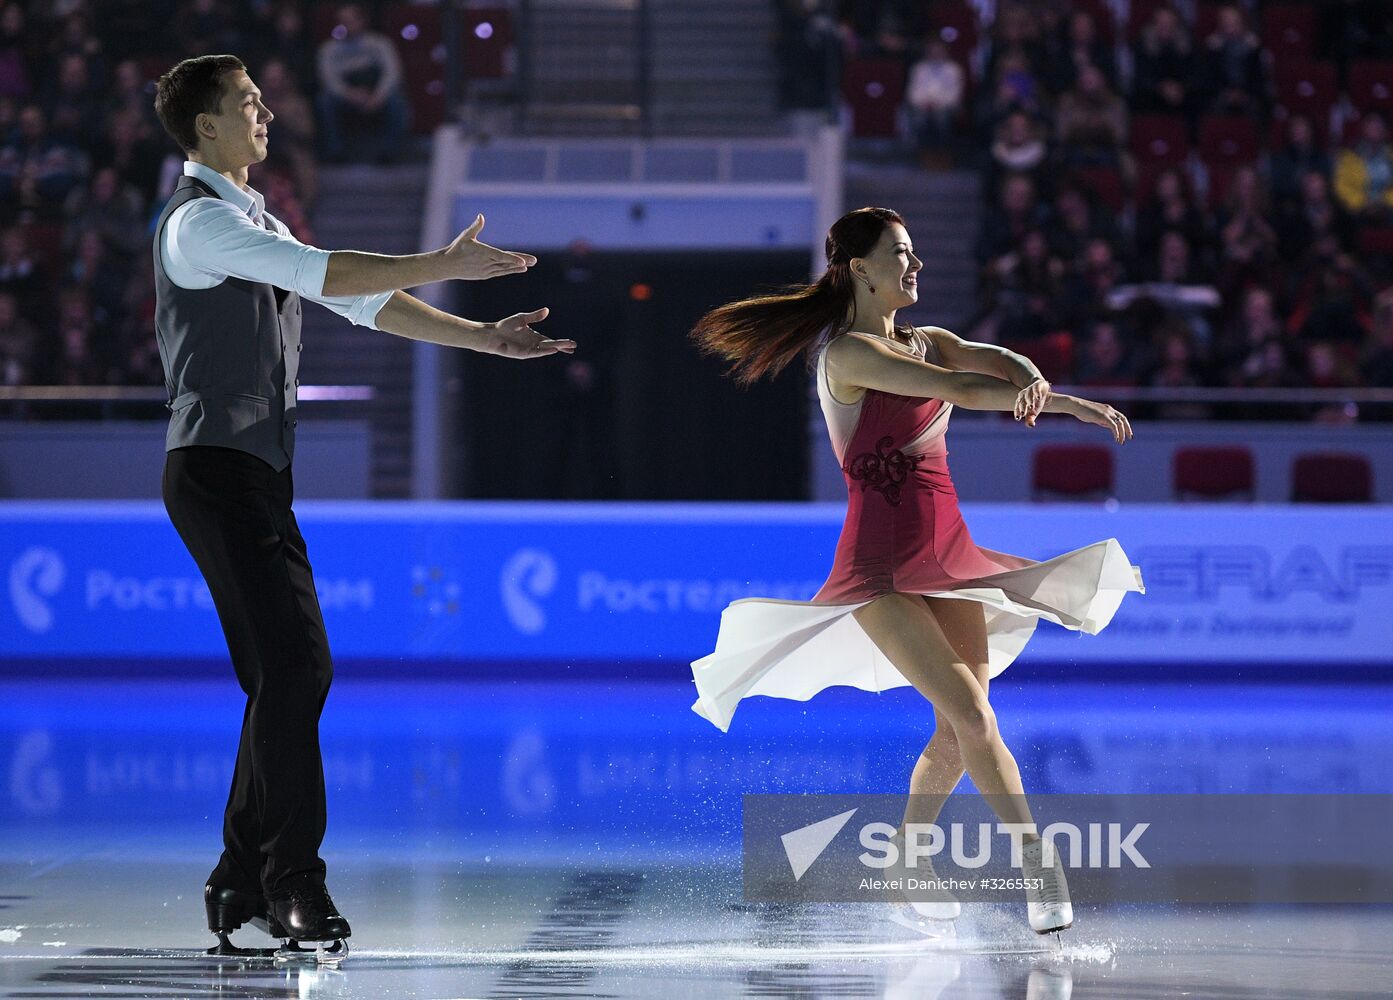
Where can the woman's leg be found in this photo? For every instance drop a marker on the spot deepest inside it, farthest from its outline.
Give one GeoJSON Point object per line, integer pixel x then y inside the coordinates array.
{"type": "Point", "coordinates": [904, 628]}
{"type": "Point", "coordinates": [940, 767]}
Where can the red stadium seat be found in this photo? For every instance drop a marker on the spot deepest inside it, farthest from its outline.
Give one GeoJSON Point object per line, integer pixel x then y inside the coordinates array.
{"type": "Point", "coordinates": [1371, 85]}
{"type": "Point", "coordinates": [874, 88]}
{"type": "Point", "coordinates": [1071, 471]}
{"type": "Point", "coordinates": [1289, 31]}
{"type": "Point", "coordinates": [1053, 354]}
{"type": "Point", "coordinates": [1106, 183]}
{"type": "Point", "coordinates": [487, 47]}
{"type": "Point", "coordinates": [415, 29]}
{"type": "Point", "coordinates": [1376, 241]}
{"type": "Point", "coordinates": [1228, 139]}
{"type": "Point", "coordinates": [1160, 139]}
{"type": "Point", "coordinates": [1139, 16]}
{"type": "Point", "coordinates": [1206, 22]}
{"type": "Point", "coordinates": [1331, 477]}
{"type": "Point", "coordinates": [1213, 473]}
{"type": "Point", "coordinates": [1103, 18]}
{"type": "Point", "coordinates": [955, 22]}
{"type": "Point", "coordinates": [1307, 88]}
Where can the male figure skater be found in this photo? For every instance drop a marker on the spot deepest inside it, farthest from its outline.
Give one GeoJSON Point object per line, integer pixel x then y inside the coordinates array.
{"type": "Point", "coordinates": [229, 279]}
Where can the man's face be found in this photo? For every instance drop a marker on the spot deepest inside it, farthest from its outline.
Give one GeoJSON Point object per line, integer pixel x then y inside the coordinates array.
{"type": "Point", "coordinates": [238, 131]}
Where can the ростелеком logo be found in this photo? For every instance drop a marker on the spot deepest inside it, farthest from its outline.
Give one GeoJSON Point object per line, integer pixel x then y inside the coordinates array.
{"type": "Point", "coordinates": [37, 573]}
{"type": "Point", "coordinates": [529, 574]}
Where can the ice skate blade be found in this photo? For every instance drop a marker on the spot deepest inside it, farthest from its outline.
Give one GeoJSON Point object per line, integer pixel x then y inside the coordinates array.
{"type": "Point", "coordinates": [226, 949]}
{"type": "Point", "coordinates": [323, 953]}
{"type": "Point", "coordinates": [905, 915]}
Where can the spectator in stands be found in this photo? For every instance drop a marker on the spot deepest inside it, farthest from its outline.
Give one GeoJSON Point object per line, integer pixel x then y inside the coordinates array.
{"type": "Point", "coordinates": [881, 27]}
{"type": "Point", "coordinates": [1105, 359]}
{"type": "Point", "coordinates": [1094, 276]}
{"type": "Point", "coordinates": [1024, 290]}
{"type": "Point", "coordinates": [1231, 67]}
{"type": "Point", "coordinates": [37, 169]}
{"type": "Point", "coordinates": [1376, 358]}
{"type": "Point", "coordinates": [1078, 220]}
{"type": "Point", "coordinates": [1016, 212]}
{"type": "Point", "coordinates": [1333, 296]}
{"type": "Point", "coordinates": [1355, 29]}
{"type": "Point", "coordinates": [204, 26]}
{"type": "Point", "coordinates": [1171, 207]}
{"type": "Point", "coordinates": [288, 42]}
{"type": "Point", "coordinates": [19, 343]}
{"type": "Point", "coordinates": [1080, 45]}
{"type": "Point", "coordinates": [22, 274]}
{"type": "Point", "coordinates": [1364, 172]}
{"type": "Point", "coordinates": [809, 53]}
{"type": "Point", "coordinates": [129, 92]}
{"type": "Point", "coordinates": [1016, 38]}
{"type": "Point", "coordinates": [1019, 147]}
{"type": "Point", "coordinates": [1313, 219]}
{"type": "Point", "coordinates": [1177, 367]}
{"type": "Point", "coordinates": [100, 278]}
{"type": "Point", "coordinates": [75, 36]}
{"type": "Point", "coordinates": [70, 104]}
{"type": "Point", "coordinates": [935, 99]}
{"type": "Point", "coordinates": [1164, 66]}
{"type": "Point", "coordinates": [1247, 241]}
{"type": "Point", "coordinates": [1298, 155]}
{"type": "Point", "coordinates": [293, 151]}
{"type": "Point", "coordinates": [360, 77]}
{"type": "Point", "coordinates": [110, 208]}
{"type": "Point", "coordinates": [16, 53]}
{"type": "Point", "coordinates": [1240, 349]}
{"type": "Point", "coordinates": [129, 147]}
{"type": "Point", "coordinates": [75, 359]}
{"type": "Point", "coordinates": [1091, 123]}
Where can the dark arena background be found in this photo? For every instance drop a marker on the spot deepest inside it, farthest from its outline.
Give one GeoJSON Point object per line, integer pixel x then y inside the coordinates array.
{"type": "Point", "coordinates": [1182, 209]}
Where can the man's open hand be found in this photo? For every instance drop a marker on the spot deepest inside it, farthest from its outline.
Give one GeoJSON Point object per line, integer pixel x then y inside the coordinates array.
{"type": "Point", "coordinates": [514, 338]}
{"type": "Point", "coordinates": [475, 261]}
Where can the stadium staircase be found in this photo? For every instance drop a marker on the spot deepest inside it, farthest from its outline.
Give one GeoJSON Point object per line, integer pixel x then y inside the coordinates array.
{"type": "Point", "coordinates": [943, 215]}
{"type": "Point", "coordinates": [377, 209]}
{"type": "Point", "coordinates": [711, 69]}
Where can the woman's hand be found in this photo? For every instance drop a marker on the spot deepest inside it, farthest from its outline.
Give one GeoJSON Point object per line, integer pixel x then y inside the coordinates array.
{"type": "Point", "coordinates": [514, 338]}
{"type": "Point", "coordinates": [475, 261]}
{"type": "Point", "coordinates": [1030, 403]}
{"type": "Point", "coordinates": [1104, 416]}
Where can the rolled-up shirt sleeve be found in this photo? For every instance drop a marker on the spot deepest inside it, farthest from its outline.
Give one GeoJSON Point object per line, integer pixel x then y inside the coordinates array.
{"type": "Point", "coordinates": [217, 239]}
{"type": "Point", "coordinates": [360, 310]}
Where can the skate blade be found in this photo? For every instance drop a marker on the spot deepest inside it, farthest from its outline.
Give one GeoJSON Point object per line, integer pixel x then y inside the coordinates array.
{"type": "Point", "coordinates": [906, 916]}
{"type": "Point", "coordinates": [323, 953]}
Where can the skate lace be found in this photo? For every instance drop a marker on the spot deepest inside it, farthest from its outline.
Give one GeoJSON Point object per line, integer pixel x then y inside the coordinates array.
{"type": "Point", "coordinates": [1051, 889]}
{"type": "Point", "coordinates": [314, 896]}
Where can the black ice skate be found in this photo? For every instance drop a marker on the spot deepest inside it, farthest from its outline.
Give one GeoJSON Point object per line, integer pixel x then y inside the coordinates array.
{"type": "Point", "coordinates": [229, 909]}
{"type": "Point", "coordinates": [306, 914]}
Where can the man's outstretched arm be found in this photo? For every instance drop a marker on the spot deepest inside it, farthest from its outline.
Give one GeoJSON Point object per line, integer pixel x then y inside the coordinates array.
{"type": "Point", "coordinates": [351, 272]}
{"type": "Point", "coordinates": [407, 316]}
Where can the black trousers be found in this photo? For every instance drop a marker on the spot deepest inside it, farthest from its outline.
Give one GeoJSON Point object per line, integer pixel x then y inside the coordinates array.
{"type": "Point", "coordinates": [233, 512]}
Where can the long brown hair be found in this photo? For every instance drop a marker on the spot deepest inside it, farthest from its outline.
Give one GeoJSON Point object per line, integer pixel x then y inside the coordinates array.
{"type": "Point", "coordinates": [762, 334]}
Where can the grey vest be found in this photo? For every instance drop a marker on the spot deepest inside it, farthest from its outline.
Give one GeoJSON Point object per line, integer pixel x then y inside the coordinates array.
{"type": "Point", "coordinates": [231, 354]}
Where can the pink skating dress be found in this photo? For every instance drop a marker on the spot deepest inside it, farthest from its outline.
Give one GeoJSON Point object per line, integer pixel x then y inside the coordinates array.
{"type": "Point", "coordinates": [903, 533]}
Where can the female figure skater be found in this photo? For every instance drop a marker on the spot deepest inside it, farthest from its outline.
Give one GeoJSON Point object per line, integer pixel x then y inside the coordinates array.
{"type": "Point", "coordinates": [911, 599]}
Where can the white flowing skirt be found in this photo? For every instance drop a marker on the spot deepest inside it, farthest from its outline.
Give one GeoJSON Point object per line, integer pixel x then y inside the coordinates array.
{"type": "Point", "coordinates": [794, 649]}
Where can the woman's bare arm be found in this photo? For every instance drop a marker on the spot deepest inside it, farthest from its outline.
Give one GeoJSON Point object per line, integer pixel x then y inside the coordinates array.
{"type": "Point", "coordinates": [864, 362]}
{"type": "Point", "coordinates": [985, 359]}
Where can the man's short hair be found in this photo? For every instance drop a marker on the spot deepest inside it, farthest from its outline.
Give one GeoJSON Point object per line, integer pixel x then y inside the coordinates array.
{"type": "Point", "coordinates": [190, 89]}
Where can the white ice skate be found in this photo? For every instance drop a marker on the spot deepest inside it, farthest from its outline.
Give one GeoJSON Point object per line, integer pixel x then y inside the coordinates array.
{"type": "Point", "coordinates": [931, 910]}
{"type": "Point", "coordinates": [1046, 892]}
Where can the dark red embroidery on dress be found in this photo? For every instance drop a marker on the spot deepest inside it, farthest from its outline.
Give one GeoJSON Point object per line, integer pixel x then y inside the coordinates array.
{"type": "Point", "coordinates": [884, 470]}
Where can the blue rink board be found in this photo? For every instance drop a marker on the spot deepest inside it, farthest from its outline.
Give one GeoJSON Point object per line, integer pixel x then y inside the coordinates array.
{"type": "Point", "coordinates": [1294, 585]}
{"type": "Point", "coordinates": [456, 764]}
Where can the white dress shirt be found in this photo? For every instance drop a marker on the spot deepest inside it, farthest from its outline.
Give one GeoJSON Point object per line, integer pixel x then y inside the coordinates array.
{"type": "Point", "coordinates": [207, 240]}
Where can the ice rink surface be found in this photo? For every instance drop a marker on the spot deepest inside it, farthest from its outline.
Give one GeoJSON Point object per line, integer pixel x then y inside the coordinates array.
{"type": "Point", "coordinates": [513, 840]}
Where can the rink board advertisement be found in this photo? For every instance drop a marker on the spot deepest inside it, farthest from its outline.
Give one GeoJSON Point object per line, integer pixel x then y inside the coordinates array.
{"type": "Point", "coordinates": [533, 581]}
